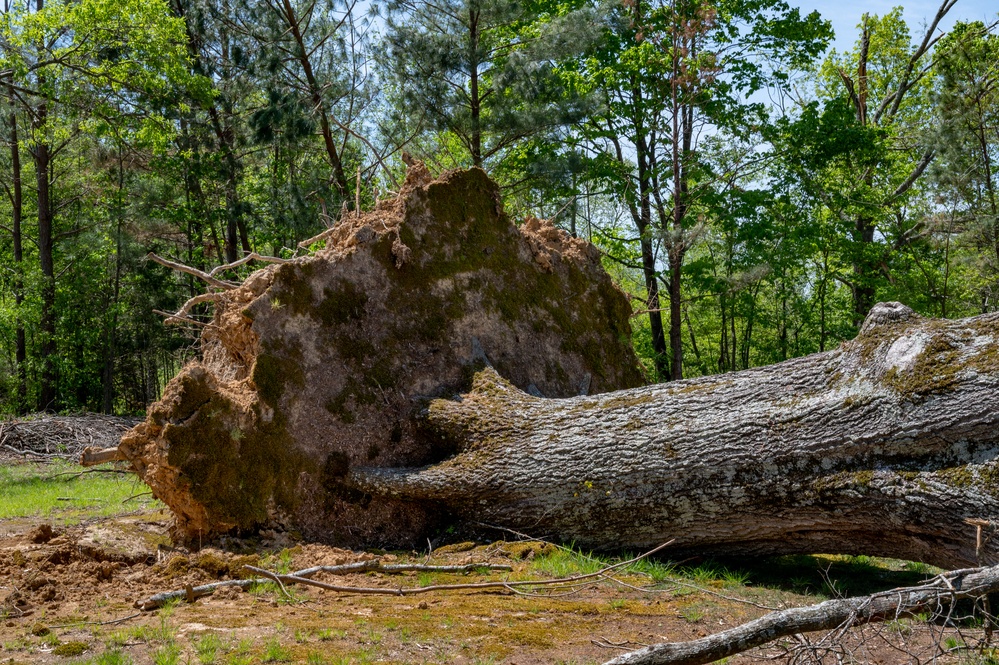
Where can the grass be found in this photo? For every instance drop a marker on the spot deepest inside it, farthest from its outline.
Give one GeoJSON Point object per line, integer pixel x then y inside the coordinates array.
{"type": "Point", "coordinates": [567, 562]}
{"type": "Point", "coordinates": [58, 490]}
{"type": "Point", "coordinates": [207, 648]}
{"type": "Point", "coordinates": [275, 653]}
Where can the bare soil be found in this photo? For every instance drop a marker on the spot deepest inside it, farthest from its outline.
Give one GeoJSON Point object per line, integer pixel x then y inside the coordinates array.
{"type": "Point", "coordinates": [67, 594]}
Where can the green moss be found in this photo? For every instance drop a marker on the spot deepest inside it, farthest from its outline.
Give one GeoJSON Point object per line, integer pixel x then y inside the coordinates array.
{"type": "Point", "coordinates": [338, 407]}
{"type": "Point", "coordinates": [863, 478]}
{"type": "Point", "coordinates": [70, 649]}
{"type": "Point", "coordinates": [934, 371]}
{"type": "Point", "coordinates": [353, 346]}
{"type": "Point", "coordinates": [236, 479]}
{"type": "Point", "coordinates": [272, 373]}
{"type": "Point", "coordinates": [957, 476]}
{"type": "Point", "coordinates": [295, 290]}
{"type": "Point", "coordinates": [344, 304]}
{"type": "Point", "coordinates": [528, 549]}
{"type": "Point", "coordinates": [212, 564]}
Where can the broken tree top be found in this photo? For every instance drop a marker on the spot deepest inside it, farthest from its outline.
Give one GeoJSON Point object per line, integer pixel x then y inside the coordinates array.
{"type": "Point", "coordinates": [323, 364]}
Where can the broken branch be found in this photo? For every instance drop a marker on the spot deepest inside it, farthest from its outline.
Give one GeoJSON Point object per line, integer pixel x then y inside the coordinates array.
{"type": "Point", "coordinates": [372, 565]}
{"type": "Point", "coordinates": [93, 456]}
{"type": "Point", "coordinates": [302, 577]}
{"type": "Point", "coordinates": [943, 589]}
{"type": "Point", "coordinates": [252, 256]}
{"type": "Point", "coordinates": [203, 276]}
{"type": "Point", "coordinates": [453, 587]}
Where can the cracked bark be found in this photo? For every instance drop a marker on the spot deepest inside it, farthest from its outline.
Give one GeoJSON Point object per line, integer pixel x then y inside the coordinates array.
{"type": "Point", "coordinates": [883, 446]}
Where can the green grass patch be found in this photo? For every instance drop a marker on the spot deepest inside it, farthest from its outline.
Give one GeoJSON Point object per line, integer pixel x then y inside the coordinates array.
{"type": "Point", "coordinates": [60, 491]}
{"type": "Point", "coordinates": [566, 562]}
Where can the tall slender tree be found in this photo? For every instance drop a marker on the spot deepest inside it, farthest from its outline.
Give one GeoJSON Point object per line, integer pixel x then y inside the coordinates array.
{"type": "Point", "coordinates": [482, 70]}
{"type": "Point", "coordinates": [670, 72]}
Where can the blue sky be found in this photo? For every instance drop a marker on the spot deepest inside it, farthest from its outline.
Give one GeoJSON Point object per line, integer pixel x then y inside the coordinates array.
{"type": "Point", "coordinates": [845, 14]}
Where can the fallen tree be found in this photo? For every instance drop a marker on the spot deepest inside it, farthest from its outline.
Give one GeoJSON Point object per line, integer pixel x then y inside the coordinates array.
{"type": "Point", "coordinates": [885, 446]}
{"type": "Point", "coordinates": [326, 400]}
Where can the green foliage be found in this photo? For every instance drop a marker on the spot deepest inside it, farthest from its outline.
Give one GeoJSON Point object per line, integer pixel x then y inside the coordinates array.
{"type": "Point", "coordinates": [193, 129]}
{"type": "Point", "coordinates": [481, 70]}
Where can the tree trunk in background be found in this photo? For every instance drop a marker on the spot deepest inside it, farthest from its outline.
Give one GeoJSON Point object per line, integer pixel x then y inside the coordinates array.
{"type": "Point", "coordinates": [884, 446]}
{"type": "Point", "coordinates": [47, 348]}
{"type": "Point", "coordinates": [17, 210]}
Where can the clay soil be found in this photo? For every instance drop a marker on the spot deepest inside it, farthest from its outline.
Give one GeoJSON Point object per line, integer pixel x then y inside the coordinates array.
{"type": "Point", "coordinates": [67, 595]}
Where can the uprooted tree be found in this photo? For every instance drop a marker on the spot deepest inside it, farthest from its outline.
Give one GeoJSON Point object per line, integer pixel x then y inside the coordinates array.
{"type": "Point", "coordinates": [327, 399]}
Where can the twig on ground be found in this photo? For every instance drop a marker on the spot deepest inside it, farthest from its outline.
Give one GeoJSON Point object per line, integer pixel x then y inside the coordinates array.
{"type": "Point", "coordinates": [99, 623]}
{"type": "Point", "coordinates": [459, 587]}
{"type": "Point", "coordinates": [77, 474]}
{"type": "Point", "coordinates": [371, 565]}
{"type": "Point", "coordinates": [303, 577]}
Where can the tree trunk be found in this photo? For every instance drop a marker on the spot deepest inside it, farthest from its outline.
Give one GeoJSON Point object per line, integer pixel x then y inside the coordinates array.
{"type": "Point", "coordinates": [294, 23]}
{"type": "Point", "coordinates": [43, 158]}
{"type": "Point", "coordinates": [883, 446]}
{"type": "Point", "coordinates": [17, 210]}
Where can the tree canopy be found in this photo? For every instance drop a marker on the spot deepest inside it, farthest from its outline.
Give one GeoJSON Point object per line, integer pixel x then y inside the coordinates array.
{"type": "Point", "coordinates": [753, 191]}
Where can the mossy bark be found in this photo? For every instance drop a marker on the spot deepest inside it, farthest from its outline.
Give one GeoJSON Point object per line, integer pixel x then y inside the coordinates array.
{"type": "Point", "coordinates": [885, 446]}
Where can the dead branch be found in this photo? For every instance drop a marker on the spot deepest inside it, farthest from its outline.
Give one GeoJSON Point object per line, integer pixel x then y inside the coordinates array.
{"type": "Point", "coordinates": [252, 256]}
{"type": "Point", "coordinates": [160, 599]}
{"type": "Point", "coordinates": [182, 314]}
{"type": "Point", "coordinates": [400, 591]}
{"type": "Point", "coordinates": [943, 589]}
{"type": "Point", "coordinates": [47, 436]}
{"type": "Point", "coordinates": [92, 456]}
{"type": "Point", "coordinates": [203, 276]}
{"type": "Point", "coordinates": [371, 565]}
{"type": "Point", "coordinates": [375, 565]}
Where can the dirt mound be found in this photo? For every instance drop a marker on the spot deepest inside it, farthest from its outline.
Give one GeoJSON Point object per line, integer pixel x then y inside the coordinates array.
{"type": "Point", "coordinates": [323, 364]}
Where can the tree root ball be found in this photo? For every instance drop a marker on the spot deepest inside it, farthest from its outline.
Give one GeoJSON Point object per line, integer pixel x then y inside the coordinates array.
{"type": "Point", "coordinates": [314, 367]}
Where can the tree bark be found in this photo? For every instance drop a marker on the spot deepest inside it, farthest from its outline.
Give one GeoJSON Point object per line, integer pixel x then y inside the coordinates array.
{"type": "Point", "coordinates": [17, 210]}
{"type": "Point", "coordinates": [43, 161]}
{"type": "Point", "coordinates": [884, 446]}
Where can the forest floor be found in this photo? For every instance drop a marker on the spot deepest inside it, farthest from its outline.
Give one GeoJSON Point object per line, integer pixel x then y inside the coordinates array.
{"type": "Point", "coordinates": [78, 551]}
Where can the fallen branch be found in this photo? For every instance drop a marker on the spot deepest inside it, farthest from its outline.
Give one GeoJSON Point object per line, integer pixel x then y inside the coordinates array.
{"type": "Point", "coordinates": [203, 276]}
{"type": "Point", "coordinates": [160, 599]}
{"type": "Point", "coordinates": [411, 591]}
{"type": "Point", "coordinates": [375, 565]}
{"type": "Point", "coordinates": [112, 622]}
{"type": "Point", "coordinates": [371, 565]}
{"type": "Point", "coordinates": [943, 589]}
{"type": "Point", "coordinates": [47, 436]}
